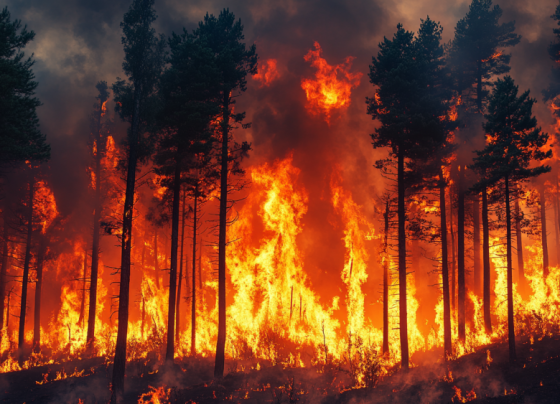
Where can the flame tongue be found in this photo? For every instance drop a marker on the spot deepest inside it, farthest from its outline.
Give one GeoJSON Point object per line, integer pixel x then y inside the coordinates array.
{"type": "Point", "coordinates": [332, 86]}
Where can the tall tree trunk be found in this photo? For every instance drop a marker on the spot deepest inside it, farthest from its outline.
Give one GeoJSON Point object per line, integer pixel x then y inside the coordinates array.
{"type": "Point", "coordinates": [124, 285]}
{"type": "Point", "coordinates": [486, 263]}
{"type": "Point", "coordinates": [447, 344]}
{"type": "Point", "coordinates": [179, 283]}
{"type": "Point", "coordinates": [3, 271]}
{"type": "Point", "coordinates": [479, 85]}
{"type": "Point", "coordinates": [403, 316]}
{"type": "Point", "coordinates": [453, 256]}
{"type": "Point", "coordinates": [518, 236]}
{"type": "Point", "coordinates": [193, 293]}
{"type": "Point", "coordinates": [543, 232]}
{"type": "Point", "coordinates": [200, 245]}
{"type": "Point", "coordinates": [221, 341]}
{"type": "Point", "coordinates": [156, 258]}
{"type": "Point", "coordinates": [83, 302]}
{"type": "Point", "coordinates": [386, 282]}
{"type": "Point", "coordinates": [511, 325]}
{"type": "Point", "coordinates": [476, 244]}
{"type": "Point", "coordinates": [461, 256]}
{"type": "Point", "coordinates": [170, 354]}
{"type": "Point", "coordinates": [90, 349]}
{"type": "Point", "coordinates": [25, 278]}
{"type": "Point", "coordinates": [38, 290]}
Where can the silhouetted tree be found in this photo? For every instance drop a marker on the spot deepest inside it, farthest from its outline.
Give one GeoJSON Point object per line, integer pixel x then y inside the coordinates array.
{"type": "Point", "coordinates": [191, 101]}
{"type": "Point", "coordinates": [409, 109]}
{"type": "Point", "coordinates": [513, 144]}
{"type": "Point", "coordinates": [20, 137]}
{"type": "Point", "coordinates": [224, 36]}
{"type": "Point", "coordinates": [98, 151]}
{"type": "Point", "coordinates": [142, 64]}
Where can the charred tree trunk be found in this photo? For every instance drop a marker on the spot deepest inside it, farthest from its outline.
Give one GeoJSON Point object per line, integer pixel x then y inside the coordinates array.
{"type": "Point", "coordinates": [156, 259]}
{"type": "Point", "coordinates": [222, 240]}
{"type": "Point", "coordinates": [179, 283]}
{"type": "Point", "coordinates": [403, 316]}
{"type": "Point", "coordinates": [486, 263]}
{"type": "Point", "coordinates": [518, 236]}
{"type": "Point", "coordinates": [461, 256]}
{"type": "Point", "coordinates": [453, 256]}
{"type": "Point", "coordinates": [200, 266]}
{"type": "Point", "coordinates": [25, 278]}
{"type": "Point", "coordinates": [3, 271]}
{"type": "Point", "coordinates": [95, 244]}
{"type": "Point", "coordinates": [511, 325]}
{"type": "Point", "coordinates": [38, 290]}
{"type": "Point", "coordinates": [124, 285]}
{"type": "Point", "coordinates": [543, 232]}
{"type": "Point", "coordinates": [193, 292]}
{"type": "Point", "coordinates": [447, 344]}
{"type": "Point", "coordinates": [83, 303]}
{"type": "Point", "coordinates": [170, 354]}
{"type": "Point", "coordinates": [386, 282]}
{"type": "Point", "coordinates": [476, 244]}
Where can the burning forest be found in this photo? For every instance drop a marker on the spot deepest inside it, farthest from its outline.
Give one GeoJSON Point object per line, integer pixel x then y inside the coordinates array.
{"type": "Point", "coordinates": [279, 205]}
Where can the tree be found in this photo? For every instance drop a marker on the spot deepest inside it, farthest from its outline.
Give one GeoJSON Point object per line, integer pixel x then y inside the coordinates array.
{"type": "Point", "coordinates": [554, 51]}
{"type": "Point", "coordinates": [98, 151]}
{"type": "Point", "coordinates": [477, 55]}
{"type": "Point", "coordinates": [477, 51]}
{"type": "Point", "coordinates": [409, 110]}
{"type": "Point", "coordinates": [20, 137]}
{"type": "Point", "coordinates": [190, 97]}
{"type": "Point", "coordinates": [200, 184]}
{"type": "Point", "coordinates": [224, 36]}
{"type": "Point", "coordinates": [142, 64]}
{"type": "Point", "coordinates": [514, 142]}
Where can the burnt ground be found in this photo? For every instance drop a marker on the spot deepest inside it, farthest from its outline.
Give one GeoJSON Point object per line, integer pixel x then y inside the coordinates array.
{"type": "Point", "coordinates": [535, 378]}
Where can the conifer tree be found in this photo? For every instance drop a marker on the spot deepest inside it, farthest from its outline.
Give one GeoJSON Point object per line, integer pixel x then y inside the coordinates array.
{"type": "Point", "coordinates": [554, 51]}
{"type": "Point", "coordinates": [142, 65]}
{"type": "Point", "coordinates": [514, 144]}
{"type": "Point", "coordinates": [224, 36]}
{"type": "Point", "coordinates": [190, 98]}
{"type": "Point", "coordinates": [476, 56]}
{"type": "Point", "coordinates": [410, 104]}
{"type": "Point", "coordinates": [98, 149]}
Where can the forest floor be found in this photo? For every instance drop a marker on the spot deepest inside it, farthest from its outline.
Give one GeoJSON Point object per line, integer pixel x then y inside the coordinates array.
{"type": "Point", "coordinates": [534, 379]}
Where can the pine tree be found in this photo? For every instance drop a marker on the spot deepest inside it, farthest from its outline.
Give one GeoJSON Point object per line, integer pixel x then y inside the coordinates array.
{"type": "Point", "coordinates": [98, 146]}
{"type": "Point", "coordinates": [20, 137]}
{"type": "Point", "coordinates": [409, 103]}
{"type": "Point", "coordinates": [142, 64]}
{"type": "Point", "coordinates": [514, 142]}
{"type": "Point", "coordinates": [190, 98]}
{"type": "Point", "coordinates": [476, 56]}
{"type": "Point", "coordinates": [554, 51]}
{"type": "Point", "coordinates": [224, 36]}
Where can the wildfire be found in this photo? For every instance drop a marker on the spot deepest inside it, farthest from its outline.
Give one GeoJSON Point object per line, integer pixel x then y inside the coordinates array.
{"type": "Point", "coordinates": [332, 86]}
{"type": "Point", "coordinates": [155, 396]}
{"type": "Point", "coordinates": [45, 205]}
{"type": "Point", "coordinates": [267, 73]}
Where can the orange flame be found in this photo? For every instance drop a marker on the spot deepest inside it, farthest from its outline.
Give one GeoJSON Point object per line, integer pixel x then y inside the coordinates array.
{"type": "Point", "coordinates": [332, 86]}
{"type": "Point", "coordinates": [267, 73]}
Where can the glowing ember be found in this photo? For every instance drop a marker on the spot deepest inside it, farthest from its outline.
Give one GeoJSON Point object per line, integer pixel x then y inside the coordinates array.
{"type": "Point", "coordinates": [332, 86]}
